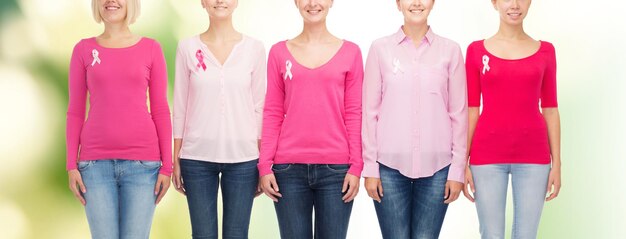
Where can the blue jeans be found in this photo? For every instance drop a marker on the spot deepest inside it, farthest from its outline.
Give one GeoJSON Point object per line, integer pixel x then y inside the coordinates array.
{"type": "Point", "coordinates": [529, 183]}
{"type": "Point", "coordinates": [411, 208]}
{"type": "Point", "coordinates": [120, 197]}
{"type": "Point", "coordinates": [307, 186]}
{"type": "Point", "coordinates": [239, 183]}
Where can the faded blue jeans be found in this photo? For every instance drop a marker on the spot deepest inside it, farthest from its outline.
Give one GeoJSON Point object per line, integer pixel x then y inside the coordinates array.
{"type": "Point", "coordinates": [120, 197]}
{"type": "Point", "coordinates": [529, 182]}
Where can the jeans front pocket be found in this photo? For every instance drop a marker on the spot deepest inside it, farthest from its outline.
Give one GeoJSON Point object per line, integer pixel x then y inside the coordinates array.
{"type": "Point", "coordinates": [149, 164]}
{"type": "Point", "coordinates": [277, 168]}
{"type": "Point", "coordinates": [83, 165]}
{"type": "Point", "coordinates": [338, 168]}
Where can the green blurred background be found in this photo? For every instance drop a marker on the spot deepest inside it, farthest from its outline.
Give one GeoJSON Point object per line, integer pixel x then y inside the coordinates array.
{"type": "Point", "coordinates": [37, 36]}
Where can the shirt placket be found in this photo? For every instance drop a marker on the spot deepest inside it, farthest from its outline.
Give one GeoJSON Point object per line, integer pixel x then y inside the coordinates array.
{"type": "Point", "coordinates": [416, 106]}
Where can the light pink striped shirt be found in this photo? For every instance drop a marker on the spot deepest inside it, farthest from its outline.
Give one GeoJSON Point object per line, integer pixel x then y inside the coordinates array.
{"type": "Point", "coordinates": [415, 107]}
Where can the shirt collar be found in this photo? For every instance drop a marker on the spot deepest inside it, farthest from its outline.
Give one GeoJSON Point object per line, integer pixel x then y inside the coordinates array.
{"type": "Point", "coordinates": [400, 37]}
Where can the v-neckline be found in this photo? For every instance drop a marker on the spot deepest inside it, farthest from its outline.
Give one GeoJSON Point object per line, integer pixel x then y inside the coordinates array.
{"type": "Point", "coordinates": [212, 56]}
{"type": "Point", "coordinates": [343, 44]}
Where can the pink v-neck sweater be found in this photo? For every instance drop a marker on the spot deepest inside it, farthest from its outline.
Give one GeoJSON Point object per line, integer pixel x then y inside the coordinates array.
{"type": "Point", "coordinates": [313, 116]}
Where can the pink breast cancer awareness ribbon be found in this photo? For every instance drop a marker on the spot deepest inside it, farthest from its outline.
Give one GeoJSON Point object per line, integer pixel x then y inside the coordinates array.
{"type": "Point", "coordinates": [200, 58]}
{"type": "Point", "coordinates": [288, 66]}
{"type": "Point", "coordinates": [95, 54]}
{"type": "Point", "coordinates": [396, 65]}
{"type": "Point", "coordinates": [485, 64]}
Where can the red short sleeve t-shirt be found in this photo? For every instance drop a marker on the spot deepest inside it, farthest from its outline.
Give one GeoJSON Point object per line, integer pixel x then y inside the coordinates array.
{"type": "Point", "coordinates": [511, 128]}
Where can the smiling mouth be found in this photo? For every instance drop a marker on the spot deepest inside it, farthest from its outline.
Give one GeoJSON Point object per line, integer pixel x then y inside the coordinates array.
{"type": "Point", "coordinates": [221, 7]}
{"type": "Point", "coordinates": [514, 14]}
{"type": "Point", "coordinates": [314, 11]}
{"type": "Point", "coordinates": [112, 8]}
{"type": "Point", "coordinates": [418, 11]}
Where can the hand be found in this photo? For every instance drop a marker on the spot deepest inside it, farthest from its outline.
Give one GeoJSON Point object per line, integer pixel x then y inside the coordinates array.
{"type": "Point", "coordinates": [469, 181]}
{"type": "Point", "coordinates": [258, 191]}
{"type": "Point", "coordinates": [374, 188]}
{"type": "Point", "coordinates": [270, 187]}
{"type": "Point", "coordinates": [162, 184]}
{"type": "Point", "coordinates": [177, 178]}
{"type": "Point", "coordinates": [452, 191]}
{"type": "Point", "coordinates": [350, 187]}
{"type": "Point", "coordinates": [554, 183]}
{"type": "Point", "coordinates": [76, 185]}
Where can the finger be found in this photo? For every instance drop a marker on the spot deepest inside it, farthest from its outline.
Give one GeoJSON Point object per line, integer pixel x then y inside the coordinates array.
{"type": "Point", "coordinates": [376, 197]}
{"type": "Point", "coordinates": [380, 189]}
{"type": "Point", "coordinates": [554, 193]}
{"type": "Point", "coordinates": [275, 189]}
{"type": "Point", "coordinates": [176, 181]}
{"type": "Point", "coordinates": [181, 189]}
{"type": "Point", "coordinates": [347, 194]}
{"type": "Point", "coordinates": [549, 188]}
{"type": "Point", "coordinates": [269, 195]}
{"type": "Point", "coordinates": [372, 193]}
{"type": "Point", "coordinates": [274, 184]}
{"type": "Point", "coordinates": [270, 192]}
{"type": "Point", "coordinates": [157, 187]}
{"type": "Point", "coordinates": [267, 190]}
{"type": "Point", "coordinates": [345, 185]}
{"type": "Point", "coordinates": [351, 194]}
{"type": "Point", "coordinates": [178, 185]}
{"type": "Point", "coordinates": [452, 198]}
{"type": "Point", "coordinates": [81, 185]}
{"type": "Point", "coordinates": [446, 191]}
{"type": "Point", "coordinates": [77, 194]}
{"type": "Point", "coordinates": [162, 193]}
{"type": "Point", "coordinates": [466, 192]}
{"type": "Point", "coordinates": [470, 181]}
{"type": "Point", "coordinates": [258, 191]}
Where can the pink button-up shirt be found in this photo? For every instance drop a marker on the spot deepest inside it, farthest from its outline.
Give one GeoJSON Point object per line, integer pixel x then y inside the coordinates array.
{"type": "Point", "coordinates": [415, 107]}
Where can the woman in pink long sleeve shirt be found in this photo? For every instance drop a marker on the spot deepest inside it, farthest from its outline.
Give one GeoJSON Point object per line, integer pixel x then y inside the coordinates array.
{"type": "Point", "coordinates": [119, 159]}
{"type": "Point", "coordinates": [414, 125]}
{"type": "Point", "coordinates": [311, 148]}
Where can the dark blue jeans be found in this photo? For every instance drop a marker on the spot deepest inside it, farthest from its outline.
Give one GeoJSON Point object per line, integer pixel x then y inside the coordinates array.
{"type": "Point", "coordinates": [308, 186]}
{"type": "Point", "coordinates": [411, 208]}
{"type": "Point", "coordinates": [239, 183]}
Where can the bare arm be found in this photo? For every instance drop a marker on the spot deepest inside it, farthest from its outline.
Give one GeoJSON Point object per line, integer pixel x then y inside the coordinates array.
{"type": "Point", "coordinates": [177, 178]}
{"type": "Point", "coordinates": [553, 122]}
{"type": "Point", "coordinates": [473, 114]}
